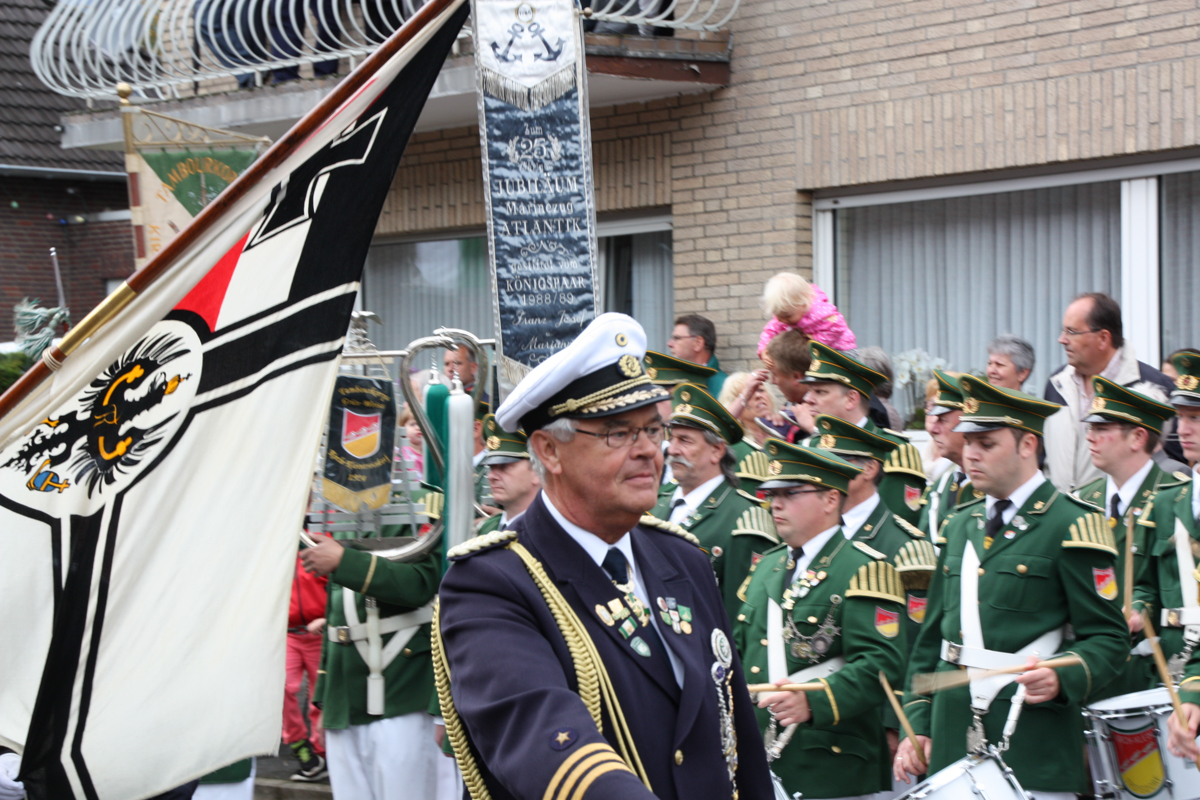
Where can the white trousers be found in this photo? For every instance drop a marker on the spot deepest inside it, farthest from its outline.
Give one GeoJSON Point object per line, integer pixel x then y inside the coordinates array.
{"type": "Point", "coordinates": [449, 781]}
{"type": "Point", "coordinates": [242, 790]}
{"type": "Point", "coordinates": [391, 759]}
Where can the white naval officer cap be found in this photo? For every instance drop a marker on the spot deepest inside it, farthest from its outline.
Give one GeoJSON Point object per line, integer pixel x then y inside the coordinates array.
{"type": "Point", "coordinates": [597, 375]}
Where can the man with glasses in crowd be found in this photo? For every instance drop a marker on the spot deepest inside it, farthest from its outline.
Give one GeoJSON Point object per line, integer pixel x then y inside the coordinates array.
{"type": "Point", "coordinates": [694, 339]}
{"type": "Point", "coordinates": [1092, 336]}
{"type": "Point", "coordinates": [564, 643]}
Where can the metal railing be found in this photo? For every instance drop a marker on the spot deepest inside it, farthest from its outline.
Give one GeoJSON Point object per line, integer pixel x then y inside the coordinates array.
{"type": "Point", "coordinates": [173, 48]}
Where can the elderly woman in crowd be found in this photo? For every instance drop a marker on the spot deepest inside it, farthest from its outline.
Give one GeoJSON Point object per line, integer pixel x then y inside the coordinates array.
{"type": "Point", "coordinates": [1010, 361]}
{"type": "Point", "coordinates": [761, 405]}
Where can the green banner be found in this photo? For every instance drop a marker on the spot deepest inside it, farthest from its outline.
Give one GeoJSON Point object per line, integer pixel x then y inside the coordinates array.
{"type": "Point", "coordinates": [196, 177]}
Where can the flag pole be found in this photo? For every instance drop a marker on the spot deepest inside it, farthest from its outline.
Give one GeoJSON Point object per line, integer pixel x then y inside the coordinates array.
{"type": "Point", "coordinates": [139, 281]}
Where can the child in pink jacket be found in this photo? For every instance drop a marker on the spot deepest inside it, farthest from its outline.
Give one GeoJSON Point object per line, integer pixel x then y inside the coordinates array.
{"type": "Point", "coordinates": [793, 302]}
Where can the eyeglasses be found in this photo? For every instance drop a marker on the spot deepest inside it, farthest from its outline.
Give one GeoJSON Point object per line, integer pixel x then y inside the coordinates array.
{"type": "Point", "coordinates": [785, 494]}
{"type": "Point", "coordinates": [627, 437]}
{"type": "Point", "coordinates": [675, 338]}
{"type": "Point", "coordinates": [1073, 332]}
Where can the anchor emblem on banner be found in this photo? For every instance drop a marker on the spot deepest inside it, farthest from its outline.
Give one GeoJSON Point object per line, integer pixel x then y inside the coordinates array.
{"type": "Point", "coordinates": [516, 30]}
{"type": "Point", "coordinates": [551, 54]}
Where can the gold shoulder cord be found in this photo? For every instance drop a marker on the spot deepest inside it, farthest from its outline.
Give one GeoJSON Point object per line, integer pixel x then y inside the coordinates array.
{"type": "Point", "coordinates": [594, 684]}
{"type": "Point", "coordinates": [454, 726]}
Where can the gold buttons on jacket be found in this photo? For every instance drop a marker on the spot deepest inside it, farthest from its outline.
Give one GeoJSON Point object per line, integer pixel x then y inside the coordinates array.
{"type": "Point", "coordinates": [741, 617]}
{"type": "Point", "coordinates": [981, 570]}
{"type": "Point", "coordinates": [812, 620]}
{"type": "Point", "coordinates": [407, 652]}
{"type": "Point", "coordinates": [765, 642]}
{"type": "Point", "coordinates": [1021, 568]}
{"type": "Point", "coordinates": [755, 670]}
{"type": "Point", "coordinates": [678, 758]}
{"type": "Point", "coordinates": [836, 749]}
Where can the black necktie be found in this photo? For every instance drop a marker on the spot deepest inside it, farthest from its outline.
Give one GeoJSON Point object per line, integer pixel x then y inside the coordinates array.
{"type": "Point", "coordinates": [618, 570]}
{"type": "Point", "coordinates": [1114, 510]}
{"type": "Point", "coordinates": [959, 477]}
{"type": "Point", "coordinates": [997, 521]}
{"type": "Point", "coordinates": [794, 554]}
{"type": "Point", "coordinates": [676, 503]}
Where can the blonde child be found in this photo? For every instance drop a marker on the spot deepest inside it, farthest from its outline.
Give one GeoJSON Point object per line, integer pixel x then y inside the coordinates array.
{"type": "Point", "coordinates": [795, 303]}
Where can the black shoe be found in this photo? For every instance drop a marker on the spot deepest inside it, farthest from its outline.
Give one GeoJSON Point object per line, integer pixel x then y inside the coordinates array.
{"type": "Point", "coordinates": [312, 766]}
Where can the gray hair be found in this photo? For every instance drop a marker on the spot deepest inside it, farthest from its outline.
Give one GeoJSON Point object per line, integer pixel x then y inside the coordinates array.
{"type": "Point", "coordinates": [560, 429]}
{"type": "Point", "coordinates": [877, 359]}
{"type": "Point", "coordinates": [1019, 351]}
{"type": "Point", "coordinates": [728, 460]}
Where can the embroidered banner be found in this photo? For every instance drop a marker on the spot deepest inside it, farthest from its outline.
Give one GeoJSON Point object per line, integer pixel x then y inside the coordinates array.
{"type": "Point", "coordinates": [537, 164]}
{"type": "Point", "coordinates": [361, 437]}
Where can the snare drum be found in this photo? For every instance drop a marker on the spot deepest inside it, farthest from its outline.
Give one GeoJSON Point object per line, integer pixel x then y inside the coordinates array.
{"type": "Point", "coordinates": [1127, 748]}
{"type": "Point", "coordinates": [974, 776]}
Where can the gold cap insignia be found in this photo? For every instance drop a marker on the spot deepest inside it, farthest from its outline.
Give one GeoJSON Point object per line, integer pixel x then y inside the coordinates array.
{"type": "Point", "coordinates": [685, 396]}
{"type": "Point", "coordinates": [493, 443]}
{"type": "Point", "coordinates": [491, 426]}
{"type": "Point", "coordinates": [971, 406]}
{"type": "Point", "coordinates": [622, 340]}
{"type": "Point", "coordinates": [774, 468]}
{"type": "Point", "coordinates": [772, 449]}
{"type": "Point", "coordinates": [630, 366]}
{"type": "Point", "coordinates": [825, 424]}
{"type": "Point", "coordinates": [683, 408]}
{"type": "Point", "coordinates": [652, 372]}
{"type": "Point", "coordinates": [828, 441]}
{"type": "Point", "coordinates": [814, 366]}
{"type": "Point", "coordinates": [1099, 404]}
{"type": "Point", "coordinates": [1187, 383]}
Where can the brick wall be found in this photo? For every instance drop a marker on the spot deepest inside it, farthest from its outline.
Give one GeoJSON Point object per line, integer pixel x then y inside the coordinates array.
{"type": "Point", "coordinates": [88, 253]}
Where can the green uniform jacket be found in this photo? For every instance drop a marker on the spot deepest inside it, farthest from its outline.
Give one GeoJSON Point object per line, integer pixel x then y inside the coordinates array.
{"type": "Point", "coordinates": [751, 464]}
{"type": "Point", "coordinates": [1140, 672]}
{"type": "Point", "coordinates": [893, 485]}
{"type": "Point", "coordinates": [735, 530]}
{"type": "Point", "coordinates": [488, 525]}
{"type": "Point", "coordinates": [342, 682]}
{"type": "Point", "coordinates": [842, 750]}
{"type": "Point", "coordinates": [1158, 582]}
{"type": "Point", "coordinates": [1057, 571]}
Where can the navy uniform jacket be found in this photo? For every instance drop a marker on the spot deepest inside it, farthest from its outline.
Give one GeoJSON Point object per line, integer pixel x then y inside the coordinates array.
{"type": "Point", "coordinates": [513, 680]}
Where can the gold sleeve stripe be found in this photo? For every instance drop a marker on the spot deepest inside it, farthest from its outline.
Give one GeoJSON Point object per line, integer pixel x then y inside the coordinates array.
{"type": "Point", "coordinates": [1092, 532]}
{"type": "Point", "coordinates": [1144, 519]}
{"type": "Point", "coordinates": [562, 776]}
{"type": "Point", "coordinates": [879, 580]}
{"type": "Point", "coordinates": [832, 700]}
{"type": "Point", "coordinates": [586, 783]}
{"type": "Point", "coordinates": [756, 520]}
{"type": "Point", "coordinates": [370, 574]}
{"type": "Point", "coordinates": [577, 779]}
{"type": "Point", "coordinates": [1087, 670]}
{"type": "Point", "coordinates": [919, 700]}
{"type": "Point", "coordinates": [1189, 680]}
{"type": "Point", "coordinates": [905, 458]}
{"type": "Point", "coordinates": [754, 466]}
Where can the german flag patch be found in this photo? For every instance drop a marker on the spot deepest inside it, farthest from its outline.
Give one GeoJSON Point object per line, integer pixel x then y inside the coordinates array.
{"type": "Point", "coordinates": [1106, 582]}
{"type": "Point", "coordinates": [916, 608]}
{"type": "Point", "coordinates": [887, 622]}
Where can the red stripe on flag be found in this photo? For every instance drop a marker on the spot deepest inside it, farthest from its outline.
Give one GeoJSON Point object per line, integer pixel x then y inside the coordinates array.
{"type": "Point", "coordinates": [206, 297]}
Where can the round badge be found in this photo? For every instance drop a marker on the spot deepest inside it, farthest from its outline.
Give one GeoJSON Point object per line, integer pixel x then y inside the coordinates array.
{"type": "Point", "coordinates": [718, 673]}
{"type": "Point", "coordinates": [685, 396]}
{"type": "Point", "coordinates": [828, 440]}
{"type": "Point", "coordinates": [652, 373]}
{"type": "Point", "coordinates": [622, 340]}
{"type": "Point", "coordinates": [493, 443]}
{"type": "Point", "coordinates": [563, 738]}
{"type": "Point", "coordinates": [826, 424]}
{"type": "Point", "coordinates": [720, 647]}
{"type": "Point", "coordinates": [525, 13]}
{"type": "Point", "coordinates": [717, 552]}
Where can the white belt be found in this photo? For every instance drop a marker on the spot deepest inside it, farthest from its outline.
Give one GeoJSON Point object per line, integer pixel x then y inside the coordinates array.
{"type": "Point", "coordinates": [822, 670]}
{"type": "Point", "coordinates": [984, 690]}
{"type": "Point", "coordinates": [1180, 617]}
{"type": "Point", "coordinates": [348, 634]}
{"type": "Point", "coordinates": [368, 641]}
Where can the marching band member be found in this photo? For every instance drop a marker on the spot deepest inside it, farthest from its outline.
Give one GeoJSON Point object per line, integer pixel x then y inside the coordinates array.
{"type": "Point", "coordinates": [1020, 570]}
{"type": "Point", "coordinates": [564, 643]}
{"type": "Point", "coordinates": [824, 608]}
{"type": "Point", "coordinates": [513, 482]}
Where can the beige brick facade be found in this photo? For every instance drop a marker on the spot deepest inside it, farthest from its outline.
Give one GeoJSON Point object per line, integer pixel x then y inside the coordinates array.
{"type": "Point", "coordinates": [852, 92]}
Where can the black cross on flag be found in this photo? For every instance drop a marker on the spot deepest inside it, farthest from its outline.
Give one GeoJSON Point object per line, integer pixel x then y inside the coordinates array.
{"type": "Point", "coordinates": [152, 491]}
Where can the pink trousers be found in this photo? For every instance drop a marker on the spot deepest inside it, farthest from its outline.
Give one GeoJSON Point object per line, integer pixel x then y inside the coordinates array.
{"type": "Point", "coordinates": [303, 658]}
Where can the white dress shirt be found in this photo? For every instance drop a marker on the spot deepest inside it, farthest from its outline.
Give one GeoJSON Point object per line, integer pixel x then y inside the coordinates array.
{"type": "Point", "coordinates": [693, 499]}
{"type": "Point", "coordinates": [1196, 492]}
{"type": "Point", "coordinates": [597, 549]}
{"type": "Point", "coordinates": [1018, 497]}
{"type": "Point", "coordinates": [809, 550]}
{"type": "Point", "coordinates": [1128, 492]}
{"type": "Point", "coordinates": [856, 517]}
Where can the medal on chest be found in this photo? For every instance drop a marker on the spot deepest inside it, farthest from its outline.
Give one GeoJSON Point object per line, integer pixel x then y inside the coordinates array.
{"type": "Point", "coordinates": [815, 646]}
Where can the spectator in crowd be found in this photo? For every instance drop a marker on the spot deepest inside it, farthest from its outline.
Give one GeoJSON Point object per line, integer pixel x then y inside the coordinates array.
{"type": "Point", "coordinates": [1092, 335]}
{"type": "Point", "coordinates": [793, 303]}
{"type": "Point", "coordinates": [877, 359]}
{"type": "Point", "coordinates": [306, 619]}
{"type": "Point", "coordinates": [694, 339]}
{"type": "Point", "coordinates": [461, 362]}
{"type": "Point", "coordinates": [1168, 368]}
{"type": "Point", "coordinates": [413, 452]}
{"type": "Point", "coordinates": [761, 404]}
{"type": "Point", "coordinates": [1010, 361]}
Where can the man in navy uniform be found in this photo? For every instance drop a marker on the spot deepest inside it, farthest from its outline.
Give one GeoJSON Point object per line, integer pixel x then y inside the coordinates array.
{"type": "Point", "coordinates": [566, 641]}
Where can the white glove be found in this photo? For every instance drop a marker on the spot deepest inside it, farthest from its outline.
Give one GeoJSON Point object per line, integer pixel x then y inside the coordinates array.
{"type": "Point", "coordinates": [10, 787]}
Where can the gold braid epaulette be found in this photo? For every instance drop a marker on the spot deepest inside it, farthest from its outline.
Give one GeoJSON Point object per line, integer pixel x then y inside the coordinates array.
{"type": "Point", "coordinates": [454, 725]}
{"type": "Point", "coordinates": [435, 502]}
{"type": "Point", "coordinates": [651, 521]}
{"type": "Point", "coordinates": [756, 520]}
{"type": "Point", "coordinates": [915, 562]}
{"type": "Point", "coordinates": [478, 543]}
{"type": "Point", "coordinates": [908, 527]}
{"type": "Point", "coordinates": [879, 580]}
{"type": "Point", "coordinates": [905, 458]}
{"type": "Point", "coordinates": [1092, 531]}
{"type": "Point", "coordinates": [754, 466]}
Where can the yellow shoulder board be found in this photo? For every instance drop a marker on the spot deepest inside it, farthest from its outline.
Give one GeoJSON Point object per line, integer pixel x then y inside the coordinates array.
{"type": "Point", "coordinates": [756, 521]}
{"type": "Point", "coordinates": [905, 458]}
{"type": "Point", "coordinates": [480, 543]}
{"type": "Point", "coordinates": [909, 528]}
{"type": "Point", "coordinates": [754, 466]}
{"type": "Point", "coordinates": [872, 552]}
{"type": "Point", "coordinates": [878, 579]}
{"type": "Point", "coordinates": [651, 521]}
{"type": "Point", "coordinates": [1079, 501]}
{"type": "Point", "coordinates": [434, 503]}
{"type": "Point", "coordinates": [915, 563]}
{"type": "Point", "coordinates": [1144, 519]}
{"type": "Point", "coordinates": [1183, 477]}
{"type": "Point", "coordinates": [1091, 531]}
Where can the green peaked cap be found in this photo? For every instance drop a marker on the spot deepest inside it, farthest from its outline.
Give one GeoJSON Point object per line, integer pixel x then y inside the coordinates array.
{"type": "Point", "coordinates": [847, 439]}
{"type": "Point", "coordinates": [501, 446]}
{"type": "Point", "coordinates": [693, 406]}
{"type": "Point", "coordinates": [1112, 402]}
{"type": "Point", "coordinates": [987, 407]}
{"type": "Point", "coordinates": [667, 370]}
{"type": "Point", "coordinates": [834, 366]}
{"type": "Point", "coordinates": [950, 394]}
{"type": "Point", "coordinates": [791, 464]}
{"type": "Point", "coordinates": [1187, 385]}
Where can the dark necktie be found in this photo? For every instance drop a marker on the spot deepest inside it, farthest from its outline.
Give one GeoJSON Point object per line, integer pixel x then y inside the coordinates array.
{"type": "Point", "coordinates": [997, 521]}
{"type": "Point", "coordinates": [618, 571]}
{"type": "Point", "coordinates": [959, 477]}
{"type": "Point", "coordinates": [676, 503]}
{"type": "Point", "coordinates": [794, 555]}
{"type": "Point", "coordinates": [1114, 510]}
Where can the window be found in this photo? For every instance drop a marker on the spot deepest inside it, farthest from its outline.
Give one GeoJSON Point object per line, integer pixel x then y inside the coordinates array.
{"type": "Point", "coordinates": [1180, 276]}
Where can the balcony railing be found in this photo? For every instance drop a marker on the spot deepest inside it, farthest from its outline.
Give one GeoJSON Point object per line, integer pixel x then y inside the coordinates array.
{"type": "Point", "coordinates": [168, 48]}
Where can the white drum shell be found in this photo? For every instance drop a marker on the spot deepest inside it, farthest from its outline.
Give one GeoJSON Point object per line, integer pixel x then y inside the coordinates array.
{"type": "Point", "coordinates": [971, 777]}
{"type": "Point", "coordinates": [1130, 714]}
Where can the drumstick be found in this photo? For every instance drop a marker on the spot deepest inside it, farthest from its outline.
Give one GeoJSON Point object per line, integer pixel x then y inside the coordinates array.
{"type": "Point", "coordinates": [759, 688]}
{"type": "Point", "coordinates": [931, 682]}
{"type": "Point", "coordinates": [1160, 661]}
{"type": "Point", "coordinates": [904, 723]}
{"type": "Point", "coordinates": [1128, 566]}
